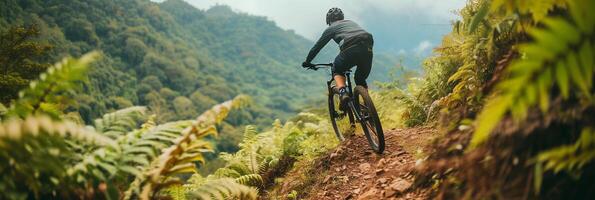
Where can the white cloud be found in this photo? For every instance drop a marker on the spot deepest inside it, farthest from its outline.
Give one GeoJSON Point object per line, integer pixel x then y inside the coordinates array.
{"type": "Point", "coordinates": [306, 17]}
{"type": "Point", "coordinates": [423, 46]}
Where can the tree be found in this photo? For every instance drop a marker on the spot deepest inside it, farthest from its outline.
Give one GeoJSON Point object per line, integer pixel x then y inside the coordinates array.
{"type": "Point", "coordinates": [135, 50]}
{"type": "Point", "coordinates": [184, 107]}
{"type": "Point", "coordinates": [21, 60]}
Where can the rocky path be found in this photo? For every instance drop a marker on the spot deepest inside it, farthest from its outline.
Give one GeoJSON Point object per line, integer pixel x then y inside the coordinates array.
{"type": "Point", "coordinates": [353, 171]}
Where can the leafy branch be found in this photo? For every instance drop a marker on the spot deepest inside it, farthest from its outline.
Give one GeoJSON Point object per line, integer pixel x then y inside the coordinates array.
{"type": "Point", "coordinates": [561, 54]}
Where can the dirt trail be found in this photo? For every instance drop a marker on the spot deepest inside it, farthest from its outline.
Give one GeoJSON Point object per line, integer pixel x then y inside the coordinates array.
{"type": "Point", "coordinates": [353, 171]}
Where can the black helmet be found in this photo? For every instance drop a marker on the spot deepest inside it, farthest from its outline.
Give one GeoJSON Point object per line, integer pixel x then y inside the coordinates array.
{"type": "Point", "coordinates": [334, 14]}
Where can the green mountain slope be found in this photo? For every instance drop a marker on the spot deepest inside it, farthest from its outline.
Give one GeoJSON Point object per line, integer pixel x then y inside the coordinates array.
{"type": "Point", "coordinates": [172, 57]}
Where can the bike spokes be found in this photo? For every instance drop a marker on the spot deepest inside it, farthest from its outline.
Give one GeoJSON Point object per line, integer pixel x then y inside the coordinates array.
{"type": "Point", "coordinates": [369, 119]}
{"type": "Point", "coordinates": [342, 120]}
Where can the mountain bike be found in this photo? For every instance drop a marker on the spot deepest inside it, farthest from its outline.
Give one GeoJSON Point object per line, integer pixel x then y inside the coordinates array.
{"type": "Point", "coordinates": [359, 108]}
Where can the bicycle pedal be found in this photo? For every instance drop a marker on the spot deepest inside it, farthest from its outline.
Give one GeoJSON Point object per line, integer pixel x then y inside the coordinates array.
{"type": "Point", "coordinates": [337, 115]}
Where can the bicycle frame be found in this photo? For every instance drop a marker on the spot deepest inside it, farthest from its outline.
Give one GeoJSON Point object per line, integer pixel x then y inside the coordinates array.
{"type": "Point", "coordinates": [347, 75]}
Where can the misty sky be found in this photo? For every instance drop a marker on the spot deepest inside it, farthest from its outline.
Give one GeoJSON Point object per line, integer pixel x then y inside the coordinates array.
{"type": "Point", "coordinates": [397, 25]}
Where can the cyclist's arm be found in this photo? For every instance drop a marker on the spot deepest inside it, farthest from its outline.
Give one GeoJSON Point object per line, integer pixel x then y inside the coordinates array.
{"type": "Point", "coordinates": [327, 35]}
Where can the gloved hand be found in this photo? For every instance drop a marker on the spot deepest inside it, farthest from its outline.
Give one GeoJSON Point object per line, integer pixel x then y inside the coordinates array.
{"type": "Point", "coordinates": [307, 65]}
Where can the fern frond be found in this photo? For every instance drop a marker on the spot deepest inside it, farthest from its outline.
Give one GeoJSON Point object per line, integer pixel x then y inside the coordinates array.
{"type": "Point", "coordinates": [121, 121]}
{"type": "Point", "coordinates": [570, 158]}
{"type": "Point", "coordinates": [225, 172]}
{"type": "Point", "coordinates": [562, 51]}
{"type": "Point", "coordinates": [34, 153]}
{"type": "Point", "coordinates": [33, 126]}
{"type": "Point", "coordinates": [223, 189]}
{"type": "Point", "coordinates": [134, 152]}
{"type": "Point", "coordinates": [537, 9]}
{"type": "Point", "coordinates": [179, 157]}
{"type": "Point", "coordinates": [177, 192]}
{"type": "Point", "coordinates": [254, 180]}
{"type": "Point", "coordinates": [239, 167]}
{"type": "Point", "coordinates": [479, 16]}
{"type": "Point", "coordinates": [250, 132]}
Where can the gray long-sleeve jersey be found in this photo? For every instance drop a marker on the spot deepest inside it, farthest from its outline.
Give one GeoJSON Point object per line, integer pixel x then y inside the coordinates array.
{"type": "Point", "coordinates": [339, 31]}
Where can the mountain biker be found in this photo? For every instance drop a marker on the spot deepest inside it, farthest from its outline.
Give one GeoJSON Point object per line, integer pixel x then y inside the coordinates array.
{"type": "Point", "coordinates": [356, 50]}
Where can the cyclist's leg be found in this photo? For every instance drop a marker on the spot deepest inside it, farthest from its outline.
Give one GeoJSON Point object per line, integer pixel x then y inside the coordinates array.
{"type": "Point", "coordinates": [343, 62]}
{"type": "Point", "coordinates": [364, 66]}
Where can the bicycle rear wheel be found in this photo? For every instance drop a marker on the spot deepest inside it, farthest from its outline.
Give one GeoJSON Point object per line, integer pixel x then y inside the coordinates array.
{"type": "Point", "coordinates": [343, 121]}
{"type": "Point", "coordinates": [370, 121]}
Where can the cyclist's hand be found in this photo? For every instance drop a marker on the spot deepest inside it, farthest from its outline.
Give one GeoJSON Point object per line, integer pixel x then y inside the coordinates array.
{"type": "Point", "coordinates": [307, 65]}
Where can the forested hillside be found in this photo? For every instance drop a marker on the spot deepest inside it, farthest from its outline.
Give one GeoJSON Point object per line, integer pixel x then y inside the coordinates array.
{"type": "Point", "coordinates": [170, 52]}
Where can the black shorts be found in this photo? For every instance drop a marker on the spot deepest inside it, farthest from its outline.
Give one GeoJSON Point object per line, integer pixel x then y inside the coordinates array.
{"type": "Point", "coordinates": [359, 55]}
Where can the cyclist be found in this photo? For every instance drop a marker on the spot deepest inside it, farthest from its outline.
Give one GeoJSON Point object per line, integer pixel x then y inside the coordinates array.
{"type": "Point", "coordinates": [356, 50]}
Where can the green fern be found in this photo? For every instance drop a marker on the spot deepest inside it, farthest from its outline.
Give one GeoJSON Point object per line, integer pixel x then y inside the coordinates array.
{"type": "Point", "coordinates": [570, 158]}
{"type": "Point", "coordinates": [34, 153]}
{"type": "Point", "coordinates": [225, 172]}
{"type": "Point", "coordinates": [254, 180]}
{"type": "Point", "coordinates": [223, 189]}
{"type": "Point", "coordinates": [562, 54]}
{"type": "Point", "coordinates": [479, 16]}
{"type": "Point", "coordinates": [181, 156]}
{"type": "Point", "coordinates": [134, 152]}
{"type": "Point", "coordinates": [177, 192]}
{"type": "Point", "coordinates": [120, 122]}
{"type": "Point", "coordinates": [537, 9]}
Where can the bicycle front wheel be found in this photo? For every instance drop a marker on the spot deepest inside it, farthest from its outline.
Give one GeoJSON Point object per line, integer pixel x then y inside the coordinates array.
{"type": "Point", "coordinates": [369, 119]}
{"type": "Point", "coordinates": [343, 121]}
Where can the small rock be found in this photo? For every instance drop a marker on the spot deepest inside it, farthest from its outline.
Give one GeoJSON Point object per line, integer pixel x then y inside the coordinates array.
{"type": "Point", "coordinates": [381, 162]}
{"type": "Point", "coordinates": [364, 167]}
{"type": "Point", "coordinates": [343, 167]}
{"type": "Point", "coordinates": [370, 194]}
{"type": "Point", "coordinates": [349, 196]}
{"type": "Point", "coordinates": [419, 162]}
{"type": "Point", "coordinates": [334, 155]}
{"type": "Point", "coordinates": [389, 193]}
{"type": "Point", "coordinates": [382, 180]}
{"type": "Point", "coordinates": [356, 191]}
{"type": "Point", "coordinates": [400, 185]}
{"type": "Point", "coordinates": [326, 179]}
{"type": "Point", "coordinates": [366, 177]}
{"type": "Point", "coordinates": [379, 171]}
{"type": "Point", "coordinates": [337, 169]}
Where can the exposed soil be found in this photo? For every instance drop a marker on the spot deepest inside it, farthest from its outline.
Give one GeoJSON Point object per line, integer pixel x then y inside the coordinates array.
{"type": "Point", "coordinates": [353, 171]}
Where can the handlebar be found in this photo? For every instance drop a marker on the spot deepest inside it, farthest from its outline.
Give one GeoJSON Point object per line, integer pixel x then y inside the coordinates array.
{"type": "Point", "coordinates": [324, 65]}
